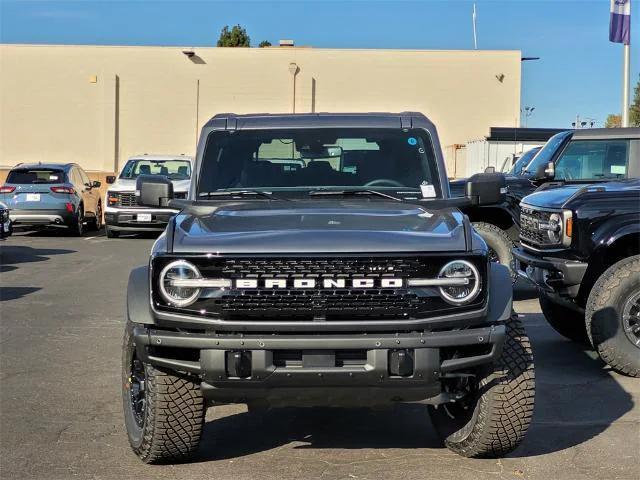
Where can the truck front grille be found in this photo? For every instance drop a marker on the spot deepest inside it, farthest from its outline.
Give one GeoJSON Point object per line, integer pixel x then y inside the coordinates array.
{"type": "Point", "coordinates": [530, 232]}
{"type": "Point", "coordinates": [291, 304]}
{"type": "Point", "coordinates": [125, 199]}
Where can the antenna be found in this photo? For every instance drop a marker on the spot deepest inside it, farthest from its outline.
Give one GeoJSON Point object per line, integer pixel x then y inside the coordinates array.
{"type": "Point", "coordinates": [475, 30]}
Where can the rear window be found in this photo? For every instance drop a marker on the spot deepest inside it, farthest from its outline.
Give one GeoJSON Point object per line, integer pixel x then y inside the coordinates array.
{"type": "Point", "coordinates": [35, 175]}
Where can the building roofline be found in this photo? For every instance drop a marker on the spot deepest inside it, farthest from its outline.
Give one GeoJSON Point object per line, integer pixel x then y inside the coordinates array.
{"type": "Point", "coordinates": [256, 49]}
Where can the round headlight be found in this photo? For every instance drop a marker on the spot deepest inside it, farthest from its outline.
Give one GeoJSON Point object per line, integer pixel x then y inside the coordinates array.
{"type": "Point", "coordinates": [467, 291]}
{"type": "Point", "coordinates": [555, 228]}
{"type": "Point", "coordinates": [179, 296]}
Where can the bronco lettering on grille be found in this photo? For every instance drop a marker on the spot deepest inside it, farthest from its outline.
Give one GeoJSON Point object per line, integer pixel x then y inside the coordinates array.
{"type": "Point", "coordinates": [302, 283]}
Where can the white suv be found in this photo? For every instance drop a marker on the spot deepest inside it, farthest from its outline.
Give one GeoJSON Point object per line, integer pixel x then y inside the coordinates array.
{"type": "Point", "coordinates": [122, 212]}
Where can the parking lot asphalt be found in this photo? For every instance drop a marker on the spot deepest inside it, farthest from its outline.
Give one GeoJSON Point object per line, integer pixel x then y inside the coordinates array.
{"type": "Point", "coordinates": [61, 322]}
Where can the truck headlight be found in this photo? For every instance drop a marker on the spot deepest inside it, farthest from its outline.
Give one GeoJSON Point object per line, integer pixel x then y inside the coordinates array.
{"type": "Point", "coordinates": [554, 230]}
{"type": "Point", "coordinates": [467, 290]}
{"type": "Point", "coordinates": [176, 283]}
{"type": "Point", "coordinates": [559, 227]}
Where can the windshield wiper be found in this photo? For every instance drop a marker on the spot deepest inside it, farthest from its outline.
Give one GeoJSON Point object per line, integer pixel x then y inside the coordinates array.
{"type": "Point", "coordinates": [354, 192]}
{"type": "Point", "coordinates": [224, 193]}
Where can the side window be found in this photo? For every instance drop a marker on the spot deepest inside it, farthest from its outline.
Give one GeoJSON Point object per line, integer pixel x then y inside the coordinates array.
{"type": "Point", "coordinates": [75, 178]}
{"type": "Point", "coordinates": [594, 160]}
{"type": "Point", "coordinates": [84, 177]}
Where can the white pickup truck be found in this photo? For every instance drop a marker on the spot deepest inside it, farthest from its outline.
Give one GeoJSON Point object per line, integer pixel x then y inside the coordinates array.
{"type": "Point", "coordinates": [122, 212]}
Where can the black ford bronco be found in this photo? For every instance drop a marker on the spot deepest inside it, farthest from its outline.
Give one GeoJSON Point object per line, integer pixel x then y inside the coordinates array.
{"type": "Point", "coordinates": [563, 160]}
{"type": "Point", "coordinates": [581, 247]}
{"type": "Point", "coordinates": [320, 261]}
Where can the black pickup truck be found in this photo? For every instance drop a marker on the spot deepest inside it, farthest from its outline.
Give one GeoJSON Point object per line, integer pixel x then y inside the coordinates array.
{"type": "Point", "coordinates": [320, 260]}
{"type": "Point", "coordinates": [581, 247]}
{"type": "Point", "coordinates": [564, 160]}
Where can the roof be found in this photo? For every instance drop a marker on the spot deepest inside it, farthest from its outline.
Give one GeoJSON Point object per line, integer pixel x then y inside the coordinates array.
{"type": "Point", "coordinates": [59, 166]}
{"type": "Point", "coordinates": [153, 156]}
{"type": "Point", "coordinates": [510, 134]}
{"type": "Point", "coordinates": [232, 121]}
{"type": "Point", "coordinates": [598, 133]}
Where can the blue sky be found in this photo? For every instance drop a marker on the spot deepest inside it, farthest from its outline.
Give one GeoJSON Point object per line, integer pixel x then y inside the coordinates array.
{"type": "Point", "coordinates": [579, 71]}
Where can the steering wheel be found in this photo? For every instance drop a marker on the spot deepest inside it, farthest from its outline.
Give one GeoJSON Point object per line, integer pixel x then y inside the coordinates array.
{"type": "Point", "coordinates": [383, 182]}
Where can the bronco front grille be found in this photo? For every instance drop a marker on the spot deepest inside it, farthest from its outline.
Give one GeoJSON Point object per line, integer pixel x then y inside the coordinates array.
{"type": "Point", "coordinates": [319, 303]}
{"type": "Point", "coordinates": [530, 232]}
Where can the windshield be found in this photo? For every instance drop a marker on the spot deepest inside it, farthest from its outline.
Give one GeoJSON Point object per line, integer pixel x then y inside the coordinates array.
{"type": "Point", "coordinates": [173, 169]}
{"type": "Point", "coordinates": [593, 160]}
{"type": "Point", "coordinates": [545, 155]}
{"type": "Point", "coordinates": [35, 175]}
{"type": "Point", "coordinates": [312, 159]}
{"type": "Point", "coordinates": [523, 161]}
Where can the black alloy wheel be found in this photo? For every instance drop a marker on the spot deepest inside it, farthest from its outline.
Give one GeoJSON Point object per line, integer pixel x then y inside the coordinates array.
{"type": "Point", "coordinates": [137, 390]}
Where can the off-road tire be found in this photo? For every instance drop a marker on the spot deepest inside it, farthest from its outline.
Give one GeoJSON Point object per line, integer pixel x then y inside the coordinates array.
{"type": "Point", "coordinates": [604, 316]}
{"type": "Point", "coordinates": [111, 233]}
{"type": "Point", "coordinates": [174, 413]}
{"type": "Point", "coordinates": [567, 322]}
{"type": "Point", "coordinates": [498, 241]}
{"type": "Point", "coordinates": [502, 406]}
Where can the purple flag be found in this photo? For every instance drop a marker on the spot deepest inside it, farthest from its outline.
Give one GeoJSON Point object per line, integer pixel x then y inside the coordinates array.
{"type": "Point", "coordinates": [620, 23]}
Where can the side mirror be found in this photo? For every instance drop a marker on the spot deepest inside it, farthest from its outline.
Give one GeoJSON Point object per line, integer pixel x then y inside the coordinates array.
{"type": "Point", "coordinates": [111, 179]}
{"type": "Point", "coordinates": [153, 191]}
{"type": "Point", "coordinates": [486, 188]}
{"type": "Point", "coordinates": [545, 172]}
{"type": "Point", "coordinates": [490, 170]}
{"type": "Point", "coordinates": [95, 184]}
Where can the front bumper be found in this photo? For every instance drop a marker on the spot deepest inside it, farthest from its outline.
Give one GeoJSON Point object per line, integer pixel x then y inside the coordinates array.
{"type": "Point", "coordinates": [128, 219]}
{"type": "Point", "coordinates": [41, 217]}
{"type": "Point", "coordinates": [306, 370]}
{"type": "Point", "coordinates": [552, 274]}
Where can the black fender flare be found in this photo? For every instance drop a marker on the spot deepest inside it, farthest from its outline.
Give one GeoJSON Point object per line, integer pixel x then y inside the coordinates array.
{"type": "Point", "coordinates": [138, 297]}
{"type": "Point", "coordinates": [500, 303]}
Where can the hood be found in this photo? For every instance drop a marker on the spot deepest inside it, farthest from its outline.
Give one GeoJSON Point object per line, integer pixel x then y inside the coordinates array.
{"type": "Point", "coordinates": [559, 197]}
{"type": "Point", "coordinates": [319, 227]}
{"type": "Point", "coordinates": [552, 197]}
{"type": "Point", "coordinates": [129, 185]}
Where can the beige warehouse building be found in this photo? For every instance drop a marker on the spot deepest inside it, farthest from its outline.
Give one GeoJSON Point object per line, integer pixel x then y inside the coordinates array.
{"type": "Point", "coordinates": [98, 105]}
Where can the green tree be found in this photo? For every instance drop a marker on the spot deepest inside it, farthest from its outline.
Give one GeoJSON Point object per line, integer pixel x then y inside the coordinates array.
{"type": "Point", "coordinates": [613, 121]}
{"type": "Point", "coordinates": [236, 37]}
{"type": "Point", "coordinates": [264, 43]}
{"type": "Point", "coordinates": [634, 111]}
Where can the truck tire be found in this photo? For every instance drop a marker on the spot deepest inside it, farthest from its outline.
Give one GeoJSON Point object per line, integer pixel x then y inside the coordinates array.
{"type": "Point", "coordinates": [111, 233]}
{"type": "Point", "coordinates": [613, 316]}
{"type": "Point", "coordinates": [567, 322]}
{"type": "Point", "coordinates": [493, 418]}
{"type": "Point", "coordinates": [500, 245]}
{"type": "Point", "coordinates": [164, 412]}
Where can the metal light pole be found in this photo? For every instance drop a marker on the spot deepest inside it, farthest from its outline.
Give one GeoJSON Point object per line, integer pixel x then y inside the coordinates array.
{"type": "Point", "coordinates": [528, 111]}
{"type": "Point", "coordinates": [625, 85]}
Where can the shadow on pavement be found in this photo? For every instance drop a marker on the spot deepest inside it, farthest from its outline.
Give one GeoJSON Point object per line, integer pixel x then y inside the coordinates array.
{"type": "Point", "coordinates": [577, 398]}
{"type": "Point", "coordinates": [14, 293]}
{"type": "Point", "coordinates": [401, 426]}
{"type": "Point", "coordinates": [11, 255]}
